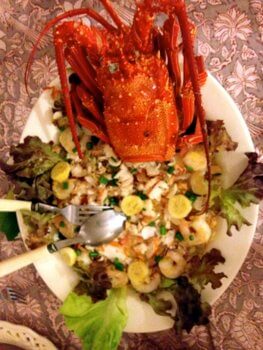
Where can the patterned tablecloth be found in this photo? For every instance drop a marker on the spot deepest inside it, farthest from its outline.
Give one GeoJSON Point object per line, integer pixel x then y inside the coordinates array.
{"type": "Point", "coordinates": [230, 34]}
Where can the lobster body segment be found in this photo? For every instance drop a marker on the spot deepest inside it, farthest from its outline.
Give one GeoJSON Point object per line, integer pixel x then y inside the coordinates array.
{"type": "Point", "coordinates": [139, 110]}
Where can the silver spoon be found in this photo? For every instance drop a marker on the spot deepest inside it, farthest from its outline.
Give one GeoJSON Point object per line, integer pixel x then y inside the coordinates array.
{"type": "Point", "coordinates": [97, 229]}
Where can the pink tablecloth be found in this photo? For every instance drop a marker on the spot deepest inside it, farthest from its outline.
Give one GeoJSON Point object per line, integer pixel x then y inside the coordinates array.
{"type": "Point", "coordinates": [230, 37]}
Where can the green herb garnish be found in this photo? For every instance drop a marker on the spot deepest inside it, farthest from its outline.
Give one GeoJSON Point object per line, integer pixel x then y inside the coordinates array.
{"type": "Point", "coordinates": [152, 224]}
{"type": "Point", "coordinates": [190, 195]}
{"type": "Point", "coordinates": [62, 224]}
{"type": "Point", "coordinates": [118, 265]}
{"type": "Point", "coordinates": [158, 258]}
{"type": "Point", "coordinates": [179, 236]}
{"type": "Point", "coordinates": [103, 180]}
{"type": "Point", "coordinates": [94, 254]}
{"type": "Point", "coordinates": [163, 230]}
{"type": "Point", "coordinates": [170, 170]}
{"type": "Point", "coordinates": [191, 237]}
{"type": "Point", "coordinates": [89, 145]}
{"type": "Point", "coordinates": [189, 168]}
{"type": "Point", "coordinates": [142, 195]}
{"type": "Point", "coordinates": [65, 185]}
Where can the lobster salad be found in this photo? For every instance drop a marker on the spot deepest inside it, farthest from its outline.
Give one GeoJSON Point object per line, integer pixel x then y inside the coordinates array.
{"type": "Point", "coordinates": [162, 252]}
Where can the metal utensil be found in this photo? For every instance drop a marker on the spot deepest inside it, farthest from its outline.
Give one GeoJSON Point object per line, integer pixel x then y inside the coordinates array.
{"type": "Point", "coordinates": [76, 214]}
{"type": "Point", "coordinates": [99, 228]}
{"type": "Point", "coordinates": [10, 294]}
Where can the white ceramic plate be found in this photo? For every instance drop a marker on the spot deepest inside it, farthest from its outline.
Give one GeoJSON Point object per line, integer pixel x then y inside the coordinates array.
{"type": "Point", "coordinates": [218, 105]}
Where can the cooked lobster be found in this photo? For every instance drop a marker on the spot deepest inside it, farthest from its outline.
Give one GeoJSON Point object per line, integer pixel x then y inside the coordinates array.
{"type": "Point", "coordinates": [129, 90]}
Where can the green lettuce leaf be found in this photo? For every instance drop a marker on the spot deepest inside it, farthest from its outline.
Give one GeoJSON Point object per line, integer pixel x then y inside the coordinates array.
{"type": "Point", "coordinates": [201, 270]}
{"type": "Point", "coordinates": [31, 158]}
{"type": "Point", "coordinates": [190, 309]}
{"type": "Point", "coordinates": [246, 190]}
{"type": "Point", "coordinates": [99, 325]}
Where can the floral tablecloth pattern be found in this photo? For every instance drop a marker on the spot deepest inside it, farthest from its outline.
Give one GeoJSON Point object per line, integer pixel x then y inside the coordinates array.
{"type": "Point", "coordinates": [230, 37]}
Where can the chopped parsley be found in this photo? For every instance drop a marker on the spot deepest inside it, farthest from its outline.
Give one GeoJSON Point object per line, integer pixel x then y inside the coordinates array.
{"type": "Point", "coordinates": [74, 150]}
{"type": "Point", "coordinates": [113, 201]}
{"type": "Point", "coordinates": [191, 237]}
{"type": "Point", "coordinates": [133, 170]}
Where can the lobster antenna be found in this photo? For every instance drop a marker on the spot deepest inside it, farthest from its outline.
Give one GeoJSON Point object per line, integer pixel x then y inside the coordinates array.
{"type": "Point", "coordinates": [108, 6]}
{"type": "Point", "coordinates": [53, 22]}
{"type": "Point", "coordinates": [192, 64]}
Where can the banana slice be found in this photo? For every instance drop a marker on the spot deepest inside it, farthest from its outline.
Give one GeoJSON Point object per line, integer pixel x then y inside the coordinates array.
{"type": "Point", "coordinates": [68, 255]}
{"type": "Point", "coordinates": [198, 183]}
{"type": "Point", "coordinates": [132, 205]}
{"type": "Point", "coordinates": [138, 272]}
{"type": "Point", "coordinates": [179, 206]}
{"type": "Point", "coordinates": [65, 139]}
{"type": "Point", "coordinates": [60, 172]}
{"type": "Point", "coordinates": [62, 190]}
{"type": "Point", "coordinates": [195, 160]}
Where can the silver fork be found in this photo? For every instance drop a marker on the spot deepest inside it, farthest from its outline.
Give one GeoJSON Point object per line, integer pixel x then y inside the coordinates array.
{"type": "Point", "coordinates": [76, 214]}
{"type": "Point", "coordinates": [10, 294]}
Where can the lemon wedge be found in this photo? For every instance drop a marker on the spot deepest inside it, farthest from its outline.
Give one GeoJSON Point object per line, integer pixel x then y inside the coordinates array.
{"type": "Point", "coordinates": [68, 255]}
{"type": "Point", "coordinates": [131, 205]}
{"type": "Point", "coordinates": [60, 172]}
{"type": "Point", "coordinates": [198, 183]}
{"type": "Point", "coordinates": [138, 272]}
{"type": "Point", "coordinates": [179, 206]}
{"type": "Point", "coordinates": [195, 160]}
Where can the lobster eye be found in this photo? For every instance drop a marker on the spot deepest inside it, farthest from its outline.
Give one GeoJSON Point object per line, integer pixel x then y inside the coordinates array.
{"type": "Point", "coordinates": [146, 133]}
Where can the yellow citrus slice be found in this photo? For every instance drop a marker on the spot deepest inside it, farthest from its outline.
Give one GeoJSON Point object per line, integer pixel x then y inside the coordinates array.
{"type": "Point", "coordinates": [138, 272]}
{"type": "Point", "coordinates": [62, 190]}
{"type": "Point", "coordinates": [198, 183]}
{"type": "Point", "coordinates": [195, 160]}
{"type": "Point", "coordinates": [68, 255]}
{"type": "Point", "coordinates": [60, 172]}
{"type": "Point", "coordinates": [131, 205]}
{"type": "Point", "coordinates": [179, 206]}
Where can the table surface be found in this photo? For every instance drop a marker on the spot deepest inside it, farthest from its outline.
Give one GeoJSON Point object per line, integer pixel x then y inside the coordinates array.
{"type": "Point", "coordinates": [230, 36]}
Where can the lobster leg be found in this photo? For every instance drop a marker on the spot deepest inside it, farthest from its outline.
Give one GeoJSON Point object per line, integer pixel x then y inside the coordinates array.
{"type": "Point", "coordinates": [188, 99]}
{"type": "Point", "coordinates": [88, 102]}
{"type": "Point", "coordinates": [94, 127]}
{"type": "Point", "coordinates": [80, 65]}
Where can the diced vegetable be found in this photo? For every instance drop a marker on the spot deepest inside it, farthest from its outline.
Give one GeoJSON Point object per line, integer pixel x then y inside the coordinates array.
{"type": "Point", "coordinates": [132, 205]}
{"type": "Point", "coordinates": [60, 172]}
{"type": "Point", "coordinates": [61, 191]}
{"type": "Point", "coordinates": [198, 183]}
{"type": "Point", "coordinates": [179, 206]}
{"type": "Point", "coordinates": [65, 139]}
{"type": "Point", "coordinates": [64, 226]}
